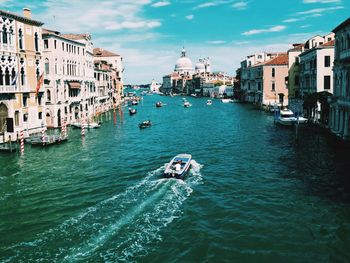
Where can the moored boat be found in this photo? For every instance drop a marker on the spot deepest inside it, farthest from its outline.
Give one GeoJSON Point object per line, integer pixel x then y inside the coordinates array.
{"type": "Point", "coordinates": [287, 118]}
{"type": "Point", "coordinates": [209, 102]}
{"type": "Point", "coordinates": [134, 102]}
{"type": "Point", "coordinates": [178, 166]}
{"type": "Point", "coordinates": [226, 100]}
{"type": "Point", "coordinates": [159, 104]}
{"type": "Point", "coordinates": [91, 125]}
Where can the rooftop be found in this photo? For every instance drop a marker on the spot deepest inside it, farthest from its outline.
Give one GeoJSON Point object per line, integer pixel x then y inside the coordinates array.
{"type": "Point", "coordinates": [20, 18]}
{"type": "Point", "coordinates": [100, 52]}
{"type": "Point", "coordinates": [342, 25]}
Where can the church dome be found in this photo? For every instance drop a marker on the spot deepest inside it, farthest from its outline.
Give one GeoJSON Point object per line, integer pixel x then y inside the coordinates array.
{"type": "Point", "coordinates": [200, 66]}
{"type": "Point", "coordinates": [183, 64]}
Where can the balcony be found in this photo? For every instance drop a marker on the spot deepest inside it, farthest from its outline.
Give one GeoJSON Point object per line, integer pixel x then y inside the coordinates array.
{"type": "Point", "coordinates": [344, 55]}
{"type": "Point", "coordinates": [8, 89]}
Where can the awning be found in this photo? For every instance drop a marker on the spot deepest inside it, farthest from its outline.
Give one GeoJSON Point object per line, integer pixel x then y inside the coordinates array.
{"type": "Point", "coordinates": [74, 85]}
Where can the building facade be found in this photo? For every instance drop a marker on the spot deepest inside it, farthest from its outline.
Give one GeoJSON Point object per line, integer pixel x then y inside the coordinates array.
{"type": "Point", "coordinates": [70, 92]}
{"type": "Point", "coordinates": [21, 98]}
{"type": "Point", "coordinates": [340, 103]}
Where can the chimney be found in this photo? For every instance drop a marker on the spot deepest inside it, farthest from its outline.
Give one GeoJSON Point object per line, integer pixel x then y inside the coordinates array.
{"type": "Point", "coordinates": [27, 13]}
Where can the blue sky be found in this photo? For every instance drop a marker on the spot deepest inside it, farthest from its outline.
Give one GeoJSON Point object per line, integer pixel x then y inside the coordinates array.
{"type": "Point", "coordinates": [149, 34]}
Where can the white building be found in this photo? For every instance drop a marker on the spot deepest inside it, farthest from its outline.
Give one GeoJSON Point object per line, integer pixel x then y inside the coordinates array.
{"type": "Point", "coordinates": [183, 65]}
{"type": "Point", "coordinates": [339, 119]}
{"type": "Point", "coordinates": [69, 79]}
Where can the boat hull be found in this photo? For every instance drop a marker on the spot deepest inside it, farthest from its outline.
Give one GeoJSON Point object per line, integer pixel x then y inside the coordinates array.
{"type": "Point", "coordinates": [170, 172]}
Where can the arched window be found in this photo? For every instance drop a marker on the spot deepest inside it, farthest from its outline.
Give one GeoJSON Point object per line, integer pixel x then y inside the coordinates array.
{"type": "Point", "coordinates": [13, 76]}
{"type": "Point", "coordinates": [47, 66]}
{"type": "Point", "coordinates": [36, 41]}
{"type": "Point", "coordinates": [48, 95]}
{"type": "Point", "coordinates": [1, 77]}
{"type": "Point", "coordinates": [56, 69]}
{"type": "Point", "coordinates": [4, 35]}
{"type": "Point", "coordinates": [11, 36]}
{"type": "Point", "coordinates": [22, 77]}
{"type": "Point", "coordinates": [20, 39]}
{"type": "Point", "coordinates": [7, 77]}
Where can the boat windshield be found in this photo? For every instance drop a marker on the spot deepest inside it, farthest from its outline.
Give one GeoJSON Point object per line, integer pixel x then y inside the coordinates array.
{"type": "Point", "coordinates": [287, 115]}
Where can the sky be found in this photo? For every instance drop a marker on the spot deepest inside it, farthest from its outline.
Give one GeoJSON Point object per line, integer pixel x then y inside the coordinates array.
{"type": "Point", "coordinates": [149, 34]}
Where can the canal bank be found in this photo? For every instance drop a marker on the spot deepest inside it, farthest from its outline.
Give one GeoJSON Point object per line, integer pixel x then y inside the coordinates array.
{"type": "Point", "coordinates": [253, 195]}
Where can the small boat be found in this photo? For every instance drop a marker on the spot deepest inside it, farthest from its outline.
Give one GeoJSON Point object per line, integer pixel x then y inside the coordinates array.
{"type": "Point", "coordinates": [287, 118]}
{"type": "Point", "coordinates": [178, 166]}
{"type": "Point", "coordinates": [159, 104]}
{"type": "Point", "coordinates": [145, 124]}
{"type": "Point", "coordinates": [209, 102]}
{"type": "Point", "coordinates": [184, 99]}
{"type": "Point", "coordinates": [227, 101]}
{"type": "Point", "coordinates": [134, 102]}
{"type": "Point", "coordinates": [187, 104]}
{"type": "Point", "coordinates": [132, 111]}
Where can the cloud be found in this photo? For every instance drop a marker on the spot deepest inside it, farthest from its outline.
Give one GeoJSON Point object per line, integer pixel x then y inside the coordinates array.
{"type": "Point", "coordinates": [133, 25]}
{"type": "Point", "coordinates": [189, 17]}
{"type": "Point", "coordinates": [161, 4]}
{"type": "Point", "coordinates": [267, 30]}
{"type": "Point", "coordinates": [240, 5]}
{"type": "Point", "coordinates": [321, 1]}
{"type": "Point", "coordinates": [319, 10]}
{"type": "Point", "coordinates": [216, 42]}
{"type": "Point", "coordinates": [213, 3]}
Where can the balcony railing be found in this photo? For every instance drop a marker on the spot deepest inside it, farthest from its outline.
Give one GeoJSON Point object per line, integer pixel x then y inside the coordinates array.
{"type": "Point", "coordinates": [345, 54]}
{"type": "Point", "coordinates": [8, 89]}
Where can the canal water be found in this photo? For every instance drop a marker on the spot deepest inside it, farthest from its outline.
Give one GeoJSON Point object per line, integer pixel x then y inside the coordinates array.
{"type": "Point", "coordinates": [253, 194]}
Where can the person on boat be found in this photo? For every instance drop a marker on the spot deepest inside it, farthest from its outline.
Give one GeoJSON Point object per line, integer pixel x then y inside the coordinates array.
{"type": "Point", "coordinates": [178, 166]}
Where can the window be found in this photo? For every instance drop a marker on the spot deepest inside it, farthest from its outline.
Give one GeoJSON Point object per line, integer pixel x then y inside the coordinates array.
{"type": "Point", "coordinates": [22, 76]}
{"type": "Point", "coordinates": [327, 61]}
{"type": "Point", "coordinates": [327, 82]}
{"type": "Point", "coordinates": [1, 77]}
{"type": "Point", "coordinates": [25, 117]}
{"type": "Point", "coordinates": [25, 99]}
{"type": "Point", "coordinates": [296, 80]}
{"type": "Point", "coordinates": [47, 67]}
{"type": "Point", "coordinates": [273, 88]}
{"type": "Point", "coordinates": [16, 118]}
{"type": "Point", "coordinates": [40, 116]}
{"type": "Point", "coordinates": [36, 42]}
{"type": "Point", "coordinates": [296, 60]}
{"type": "Point", "coordinates": [39, 100]}
{"type": "Point", "coordinates": [20, 39]}
{"type": "Point", "coordinates": [55, 44]}
{"type": "Point", "coordinates": [7, 77]}
{"type": "Point", "coordinates": [48, 95]}
{"type": "Point", "coordinates": [273, 72]}
{"type": "Point", "coordinates": [46, 43]}
{"type": "Point", "coordinates": [4, 35]}
{"type": "Point", "coordinates": [63, 46]}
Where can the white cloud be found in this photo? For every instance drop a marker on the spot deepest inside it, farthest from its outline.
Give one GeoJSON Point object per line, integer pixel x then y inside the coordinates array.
{"type": "Point", "coordinates": [267, 30]}
{"type": "Point", "coordinates": [291, 20]}
{"type": "Point", "coordinates": [189, 17]}
{"type": "Point", "coordinates": [161, 4]}
{"type": "Point", "coordinates": [213, 3]}
{"type": "Point", "coordinates": [319, 10]}
{"type": "Point", "coordinates": [216, 42]}
{"type": "Point", "coordinates": [321, 1]}
{"type": "Point", "coordinates": [133, 25]}
{"type": "Point", "coordinates": [240, 5]}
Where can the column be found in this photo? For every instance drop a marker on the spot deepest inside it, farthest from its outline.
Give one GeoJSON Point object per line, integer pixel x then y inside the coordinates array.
{"type": "Point", "coordinates": [346, 125]}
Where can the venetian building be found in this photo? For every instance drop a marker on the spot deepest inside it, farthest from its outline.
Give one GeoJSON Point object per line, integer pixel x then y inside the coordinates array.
{"type": "Point", "coordinates": [21, 104]}
{"type": "Point", "coordinates": [115, 63]}
{"type": "Point", "coordinates": [340, 103]}
{"type": "Point", "coordinates": [183, 65]}
{"type": "Point", "coordinates": [65, 78]}
{"type": "Point", "coordinates": [203, 66]}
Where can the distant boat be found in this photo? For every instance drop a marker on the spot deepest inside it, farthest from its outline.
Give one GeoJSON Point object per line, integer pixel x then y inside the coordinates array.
{"type": "Point", "coordinates": [226, 101]}
{"type": "Point", "coordinates": [145, 124]}
{"type": "Point", "coordinates": [193, 95]}
{"type": "Point", "coordinates": [209, 102]}
{"type": "Point", "coordinates": [159, 104]}
{"type": "Point", "coordinates": [134, 102]}
{"type": "Point", "coordinates": [287, 118]}
{"type": "Point", "coordinates": [132, 111]}
{"type": "Point", "coordinates": [187, 104]}
{"type": "Point", "coordinates": [178, 166]}
{"type": "Point", "coordinates": [184, 99]}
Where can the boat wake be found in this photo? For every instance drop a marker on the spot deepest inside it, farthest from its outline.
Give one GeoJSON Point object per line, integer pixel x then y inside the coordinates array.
{"type": "Point", "coordinates": [121, 228]}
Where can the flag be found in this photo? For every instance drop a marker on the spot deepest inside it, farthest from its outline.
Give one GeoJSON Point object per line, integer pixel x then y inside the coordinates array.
{"type": "Point", "coordinates": [39, 83]}
{"type": "Point", "coordinates": [14, 80]}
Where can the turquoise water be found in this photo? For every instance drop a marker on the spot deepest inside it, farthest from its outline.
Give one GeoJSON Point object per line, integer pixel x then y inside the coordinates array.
{"type": "Point", "coordinates": [253, 194]}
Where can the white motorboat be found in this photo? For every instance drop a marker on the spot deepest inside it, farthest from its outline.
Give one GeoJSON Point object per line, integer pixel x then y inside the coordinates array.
{"type": "Point", "coordinates": [209, 102]}
{"type": "Point", "coordinates": [226, 101]}
{"type": "Point", "coordinates": [187, 104]}
{"type": "Point", "coordinates": [287, 118]}
{"type": "Point", "coordinates": [178, 166]}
